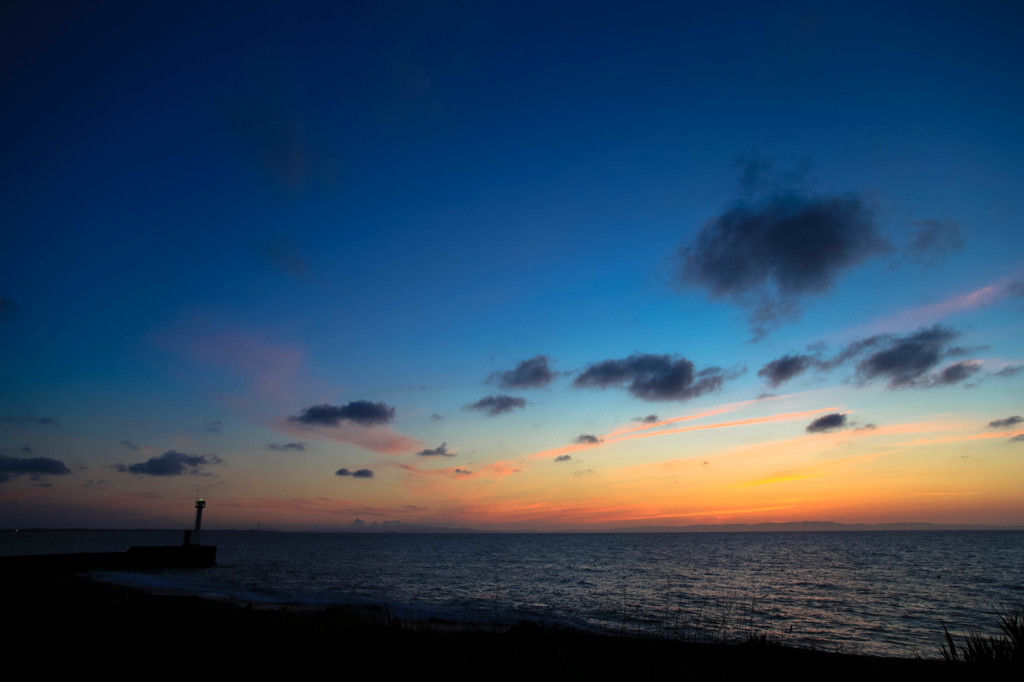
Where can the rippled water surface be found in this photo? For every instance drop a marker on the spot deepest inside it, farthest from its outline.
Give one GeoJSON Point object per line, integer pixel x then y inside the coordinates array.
{"type": "Point", "coordinates": [865, 592]}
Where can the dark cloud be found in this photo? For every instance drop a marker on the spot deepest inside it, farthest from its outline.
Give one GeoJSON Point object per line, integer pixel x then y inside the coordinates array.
{"type": "Point", "coordinates": [440, 451]}
{"type": "Point", "coordinates": [7, 308]}
{"type": "Point", "coordinates": [649, 419]}
{"type": "Point", "coordinates": [778, 372]}
{"type": "Point", "coordinates": [358, 473]}
{"type": "Point", "coordinates": [278, 138]}
{"type": "Point", "coordinates": [1009, 371]}
{"type": "Point", "coordinates": [170, 463]}
{"type": "Point", "coordinates": [462, 472]}
{"type": "Point", "coordinates": [532, 373]}
{"type": "Point", "coordinates": [587, 439]}
{"type": "Point", "coordinates": [653, 377]}
{"type": "Point", "coordinates": [297, 446]}
{"type": "Point", "coordinates": [1019, 438]}
{"type": "Point", "coordinates": [905, 360]}
{"type": "Point", "coordinates": [280, 251]}
{"type": "Point", "coordinates": [27, 419]}
{"type": "Point", "coordinates": [828, 422]}
{"type": "Point", "coordinates": [563, 458]}
{"type": "Point", "coordinates": [956, 373]}
{"type": "Point", "coordinates": [128, 444]}
{"type": "Point", "coordinates": [436, 417]}
{"type": "Point", "coordinates": [766, 254]}
{"type": "Point", "coordinates": [933, 239]}
{"type": "Point", "coordinates": [11, 467]}
{"type": "Point", "coordinates": [1005, 423]}
{"type": "Point", "coordinates": [755, 173]}
{"type": "Point", "coordinates": [359, 411]}
{"type": "Point", "coordinates": [496, 404]}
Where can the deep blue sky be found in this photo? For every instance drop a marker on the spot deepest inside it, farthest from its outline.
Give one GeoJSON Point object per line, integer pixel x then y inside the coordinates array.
{"type": "Point", "coordinates": [225, 213]}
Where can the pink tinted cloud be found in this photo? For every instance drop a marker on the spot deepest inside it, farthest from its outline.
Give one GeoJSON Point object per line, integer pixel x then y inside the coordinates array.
{"type": "Point", "coordinates": [506, 467]}
{"type": "Point", "coordinates": [244, 367]}
{"type": "Point", "coordinates": [319, 505]}
{"type": "Point", "coordinates": [377, 438]}
{"type": "Point", "coordinates": [770, 419]}
{"type": "Point", "coordinates": [956, 439]}
{"type": "Point", "coordinates": [270, 369]}
{"type": "Point", "coordinates": [920, 316]}
{"type": "Point", "coordinates": [721, 409]}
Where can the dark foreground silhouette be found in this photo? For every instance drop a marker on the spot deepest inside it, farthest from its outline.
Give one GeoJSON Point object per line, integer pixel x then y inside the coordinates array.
{"type": "Point", "coordinates": [74, 624]}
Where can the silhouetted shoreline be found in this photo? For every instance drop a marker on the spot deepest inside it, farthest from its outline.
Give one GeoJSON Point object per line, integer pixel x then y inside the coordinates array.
{"type": "Point", "coordinates": [82, 618]}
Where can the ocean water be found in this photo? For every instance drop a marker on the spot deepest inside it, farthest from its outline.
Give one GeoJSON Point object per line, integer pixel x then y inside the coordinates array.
{"type": "Point", "coordinates": [886, 593]}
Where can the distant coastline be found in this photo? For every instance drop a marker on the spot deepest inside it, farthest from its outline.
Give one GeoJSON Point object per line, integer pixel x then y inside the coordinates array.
{"type": "Point", "coordinates": [401, 527]}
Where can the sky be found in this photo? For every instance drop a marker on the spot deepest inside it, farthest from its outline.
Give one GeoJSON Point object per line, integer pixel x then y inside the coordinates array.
{"type": "Point", "coordinates": [511, 266]}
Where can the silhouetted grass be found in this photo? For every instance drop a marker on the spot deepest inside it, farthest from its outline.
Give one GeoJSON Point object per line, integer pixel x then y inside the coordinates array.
{"type": "Point", "coordinates": [1005, 650]}
{"type": "Point", "coordinates": [70, 624]}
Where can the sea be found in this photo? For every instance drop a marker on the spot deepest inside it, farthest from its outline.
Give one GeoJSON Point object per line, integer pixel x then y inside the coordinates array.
{"type": "Point", "coordinates": [885, 593]}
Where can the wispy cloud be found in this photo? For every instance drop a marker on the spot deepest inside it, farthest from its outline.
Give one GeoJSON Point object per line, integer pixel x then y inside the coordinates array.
{"type": "Point", "coordinates": [770, 419]}
{"type": "Point", "coordinates": [1009, 371]}
{"type": "Point", "coordinates": [1006, 287]}
{"type": "Point", "coordinates": [266, 372]}
{"type": "Point", "coordinates": [27, 420]}
{"type": "Point", "coordinates": [817, 470]}
{"type": "Point", "coordinates": [282, 252]}
{"type": "Point", "coordinates": [954, 439]}
{"type": "Point", "coordinates": [377, 438]}
{"type": "Point", "coordinates": [931, 240]}
{"type": "Point", "coordinates": [278, 138]}
{"type": "Point", "coordinates": [7, 308]}
{"type": "Point", "coordinates": [329, 507]}
{"type": "Point", "coordinates": [506, 467]}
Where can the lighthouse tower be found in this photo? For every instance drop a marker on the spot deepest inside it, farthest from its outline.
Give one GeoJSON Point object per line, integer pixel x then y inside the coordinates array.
{"type": "Point", "coordinates": [192, 536]}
